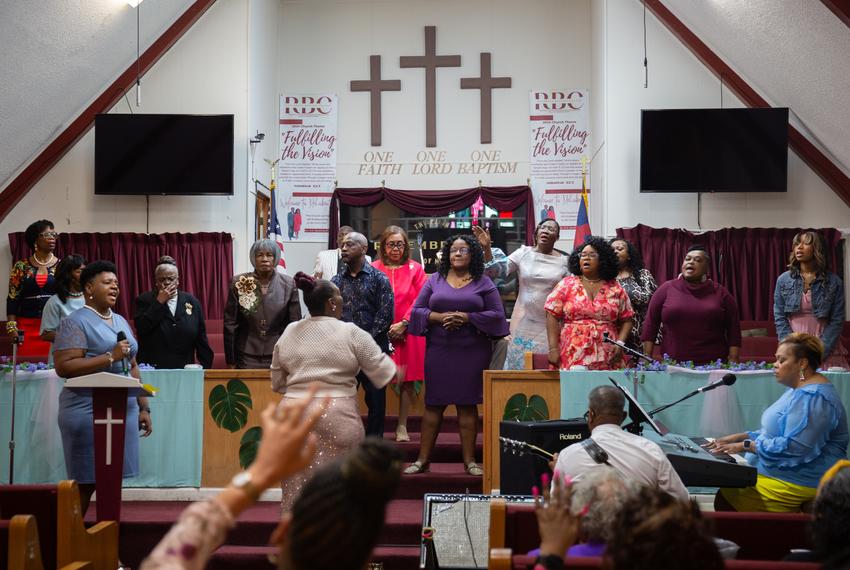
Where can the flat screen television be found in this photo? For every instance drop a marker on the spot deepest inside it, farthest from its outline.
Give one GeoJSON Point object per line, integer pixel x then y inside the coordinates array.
{"type": "Point", "coordinates": [163, 154]}
{"type": "Point", "coordinates": [714, 150]}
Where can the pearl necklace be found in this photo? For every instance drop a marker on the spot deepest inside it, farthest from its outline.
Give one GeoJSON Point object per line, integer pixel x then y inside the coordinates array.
{"type": "Point", "coordinates": [105, 317]}
{"type": "Point", "coordinates": [40, 262]}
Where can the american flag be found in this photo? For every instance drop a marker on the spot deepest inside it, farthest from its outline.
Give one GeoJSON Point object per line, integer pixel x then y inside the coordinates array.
{"type": "Point", "coordinates": [273, 231]}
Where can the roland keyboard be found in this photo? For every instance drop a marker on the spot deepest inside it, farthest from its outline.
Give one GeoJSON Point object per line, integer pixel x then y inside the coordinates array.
{"type": "Point", "coordinates": [699, 468]}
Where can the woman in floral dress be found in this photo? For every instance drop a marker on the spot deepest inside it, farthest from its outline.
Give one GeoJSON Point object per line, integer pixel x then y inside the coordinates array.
{"type": "Point", "coordinates": [586, 305]}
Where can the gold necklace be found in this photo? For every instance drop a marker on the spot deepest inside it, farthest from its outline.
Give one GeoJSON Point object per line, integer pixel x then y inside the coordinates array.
{"type": "Point", "coordinates": [591, 280]}
{"type": "Point", "coordinates": [40, 262]}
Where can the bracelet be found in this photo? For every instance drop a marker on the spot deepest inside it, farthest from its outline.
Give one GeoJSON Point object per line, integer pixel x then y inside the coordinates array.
{"type": "Point", "coordinates": [109, 356]}
{"type": "Point", "coordinates": [11, 326]}
{"type": "Point", "coordinates": [551, 349]}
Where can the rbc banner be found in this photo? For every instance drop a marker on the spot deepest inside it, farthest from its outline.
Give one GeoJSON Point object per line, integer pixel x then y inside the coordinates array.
{"type": "Point", "coordinates": [307, 169]}
{"type": "Point", "coordinates": [559, 129]}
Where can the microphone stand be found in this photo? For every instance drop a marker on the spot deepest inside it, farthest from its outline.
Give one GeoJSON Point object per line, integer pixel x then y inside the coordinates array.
{"type": "Point", "coordinates": [15, 342]}
{"type": "Point", "coordinates": [633, 352]}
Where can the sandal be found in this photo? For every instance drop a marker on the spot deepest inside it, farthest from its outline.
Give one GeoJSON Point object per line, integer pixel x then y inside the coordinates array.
{"type": "Point", "coordinates": [401, 434]}
{"type": "Point", "coordinates": [416, 467]}
{"type": "Point", "coordinates": [474, 469]}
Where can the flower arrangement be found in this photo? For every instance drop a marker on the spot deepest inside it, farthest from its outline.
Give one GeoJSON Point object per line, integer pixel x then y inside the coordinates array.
{"type": "Point", "coordinates": [661, 366]}
{"type": "Point", "coordinates": [6, 366]}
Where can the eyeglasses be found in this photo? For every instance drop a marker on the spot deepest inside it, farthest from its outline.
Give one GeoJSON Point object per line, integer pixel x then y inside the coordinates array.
{"type": "Point", "coordinates": [591, 255]}
{"type": "Point", "coordinates": [460, 250]}
{"type": "Point", "coordinates": [49, 234]}
{"type": "Point", "coordinates": [394, 245]}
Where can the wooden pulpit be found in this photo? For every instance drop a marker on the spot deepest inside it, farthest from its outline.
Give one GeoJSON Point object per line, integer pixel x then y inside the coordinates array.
{"type": "Point", "coordinates": [109, 403]}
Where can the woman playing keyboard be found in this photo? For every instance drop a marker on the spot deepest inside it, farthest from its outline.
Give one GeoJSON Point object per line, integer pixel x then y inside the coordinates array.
{"type": "Point", "coordinates": [802, 435]}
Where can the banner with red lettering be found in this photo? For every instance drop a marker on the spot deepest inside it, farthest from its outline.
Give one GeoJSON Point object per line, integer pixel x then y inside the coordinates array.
{"type": "Point", "coordinates": [307, 168]}
{"type": "Point", "coordinates": [559, 128]}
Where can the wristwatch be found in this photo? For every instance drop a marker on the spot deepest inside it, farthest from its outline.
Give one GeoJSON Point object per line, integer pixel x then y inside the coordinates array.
{"type": "Point", "coordinates": [244, 482]}
{"type": "Point", "coordinates": [748, 445]}
{"type": "Point", "coordinates": [109, 356]}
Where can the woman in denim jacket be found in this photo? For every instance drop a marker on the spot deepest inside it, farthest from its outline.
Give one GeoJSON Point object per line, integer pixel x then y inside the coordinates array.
{"type": "Point", "coordinates": [810, 299]}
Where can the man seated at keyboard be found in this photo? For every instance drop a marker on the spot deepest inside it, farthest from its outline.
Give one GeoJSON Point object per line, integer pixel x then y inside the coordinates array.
{"type": "Point", "coordinates": [636, 458]}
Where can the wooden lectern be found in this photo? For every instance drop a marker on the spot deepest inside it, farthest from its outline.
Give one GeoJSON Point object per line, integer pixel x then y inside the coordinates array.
{"type": "Point", "coordinates": [109, 404]}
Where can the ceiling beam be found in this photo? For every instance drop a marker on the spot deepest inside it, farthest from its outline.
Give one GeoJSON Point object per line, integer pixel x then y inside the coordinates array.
{"type": "Point", "coordinates": [47, 158]}
{"type": "Point", "coordinates": [840, 8]}
{"type": "Point", "coordinates": [821, 164]}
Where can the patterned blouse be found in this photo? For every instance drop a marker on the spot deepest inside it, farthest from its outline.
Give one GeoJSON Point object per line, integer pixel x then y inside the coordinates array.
{"type": "Point", "coordinates": [26, 297]}
{"type": "Point", "coordinates": [199, 531]}
{"type": "Point", "coordinates": [640, 291]}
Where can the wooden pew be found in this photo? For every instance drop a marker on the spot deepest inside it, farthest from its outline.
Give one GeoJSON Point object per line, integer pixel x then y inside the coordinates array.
{"type": "Point", "coordinates": [24, 551]}
{"type": "Point", "coordinates": [59, 521]}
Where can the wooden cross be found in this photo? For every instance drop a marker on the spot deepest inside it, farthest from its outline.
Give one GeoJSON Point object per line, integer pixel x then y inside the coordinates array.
{"type": "Point", "coordinates": [109, 422]}
{"type": "Point", "coordinates": [430, 62]}
{"type": "Point", "coordinates": [375, 85]}
{"type": "Point", "coordinates": [486, 83]}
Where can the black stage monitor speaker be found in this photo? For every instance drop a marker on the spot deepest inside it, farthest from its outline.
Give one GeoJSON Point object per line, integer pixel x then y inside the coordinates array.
{"type": "Point", "coordinates": [461, 526]}
{"type": "Point", "coordinates": [521, 471]}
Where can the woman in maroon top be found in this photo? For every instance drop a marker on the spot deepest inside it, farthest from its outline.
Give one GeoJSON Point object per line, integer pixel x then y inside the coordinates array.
{"type": "Point", "coordinates": [700, 317]}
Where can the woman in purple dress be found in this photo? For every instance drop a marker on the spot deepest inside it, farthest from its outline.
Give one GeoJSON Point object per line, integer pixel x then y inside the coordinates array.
{"type": "Point", "coordinates": [459, 311]}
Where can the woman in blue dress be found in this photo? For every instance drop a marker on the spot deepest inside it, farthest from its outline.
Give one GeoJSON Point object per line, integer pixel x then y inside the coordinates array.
{"type": "Point", "coordinates": [86, 343]}
{"type": "Point", "coordinates": [802, 435]}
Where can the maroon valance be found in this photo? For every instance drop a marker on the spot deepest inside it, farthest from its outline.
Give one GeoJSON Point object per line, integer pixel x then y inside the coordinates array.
{"type": "Point", "coordinates": [435, 202]}
{"type": "Point", "coordinates": [204, 259]}
{"type": "Point", "coordinates": [746, 261]}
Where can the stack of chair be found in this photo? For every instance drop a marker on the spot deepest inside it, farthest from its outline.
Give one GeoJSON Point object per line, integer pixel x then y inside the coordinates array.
{"type": "Point", "coordinates": [43, 527]}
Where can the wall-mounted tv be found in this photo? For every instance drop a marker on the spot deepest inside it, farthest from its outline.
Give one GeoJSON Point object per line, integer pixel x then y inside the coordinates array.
{"type": "Point", "coordinates": [714, 150]}
{"type": "Point", "coordinates": [163, 154]}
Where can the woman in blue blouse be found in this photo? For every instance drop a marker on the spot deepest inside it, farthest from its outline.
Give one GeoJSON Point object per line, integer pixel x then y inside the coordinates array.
{"type": "Point", "coordinates": [802, 435]}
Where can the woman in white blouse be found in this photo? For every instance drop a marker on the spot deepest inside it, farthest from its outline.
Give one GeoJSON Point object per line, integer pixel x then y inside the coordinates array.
{"type": "Point", "coordinates": [324, 350]}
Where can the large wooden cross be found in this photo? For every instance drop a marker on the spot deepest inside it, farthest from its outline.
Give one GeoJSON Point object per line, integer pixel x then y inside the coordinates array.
{"type": "Point", "coordinates": [375, 85]}
{"type": "Point", "coordinates": [486, 83]}
{"type": "Point", "coordinates": [430, 62]}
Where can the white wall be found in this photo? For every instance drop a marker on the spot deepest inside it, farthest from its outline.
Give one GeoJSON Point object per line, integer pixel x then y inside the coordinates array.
{"type": "Point", "coordinates": [678, 80]}
{"type": "Point", "coordinates": [206, 72]}
{"type": "Point", "coordinates": [324, 44]}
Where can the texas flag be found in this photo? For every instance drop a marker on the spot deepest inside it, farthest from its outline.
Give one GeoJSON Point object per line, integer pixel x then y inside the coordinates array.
{"type": "Point", "coordinates": [273, 231]}
{"type": "Point", "coordinates": [582, 222]}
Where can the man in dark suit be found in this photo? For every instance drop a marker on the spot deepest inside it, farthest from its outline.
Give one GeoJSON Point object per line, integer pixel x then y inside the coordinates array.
{"type": "Point", "coordinates": [170, 323]}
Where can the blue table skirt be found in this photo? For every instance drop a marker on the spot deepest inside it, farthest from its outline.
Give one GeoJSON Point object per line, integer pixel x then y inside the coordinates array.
{"type": "Point", "coordinates": [170, 457]}
{"type": "Point", "coordinates": [725, 410]}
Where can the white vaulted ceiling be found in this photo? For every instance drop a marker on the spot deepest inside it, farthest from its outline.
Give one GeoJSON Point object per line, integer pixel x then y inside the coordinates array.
{"type": "Point", "coordinates": [795, 53]}
{"type": "Point", "coordinates": [58, 56]}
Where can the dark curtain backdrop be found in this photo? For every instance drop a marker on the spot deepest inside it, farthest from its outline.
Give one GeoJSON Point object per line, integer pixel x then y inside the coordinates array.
{"type": "Point", "coordinates": [434, 202]}
{"type": "Point", "coordinates": [205, 261]}
{"type": "Point", "coordinates": [746, 261]}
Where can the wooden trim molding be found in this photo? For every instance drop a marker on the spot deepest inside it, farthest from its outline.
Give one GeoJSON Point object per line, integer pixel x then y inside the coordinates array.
{"type": "Point", "coordinates": [829, 172]}
{"type": "Point", "coordinates": [35, 170]}
{"type": "Point", "coordinates": [840, 8]}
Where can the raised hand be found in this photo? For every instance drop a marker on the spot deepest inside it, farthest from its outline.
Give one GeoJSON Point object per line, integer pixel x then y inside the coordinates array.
{"type": "Point", "coordinates": [483, 236]}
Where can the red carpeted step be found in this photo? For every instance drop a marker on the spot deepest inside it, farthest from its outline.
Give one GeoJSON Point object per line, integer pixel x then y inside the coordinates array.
{"type": "Point", "coordinates": [414, 424]}
{"type": "Point", "coordinates": [441, 478]}
{"type": "Point", "coordinates": [447, 449]}
{"type": "Point", "coordinates": [397, 557]}
{"type": "Point", "coordinates": [239, 557]}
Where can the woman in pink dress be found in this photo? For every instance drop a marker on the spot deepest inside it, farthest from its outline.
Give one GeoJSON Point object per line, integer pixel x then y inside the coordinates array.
{"type": "Point", "coordinates": [296, 220]}
{"type": "Point", "coordinates": [590, 303]}
{"type": "Point", "coordinates": [407, 278]}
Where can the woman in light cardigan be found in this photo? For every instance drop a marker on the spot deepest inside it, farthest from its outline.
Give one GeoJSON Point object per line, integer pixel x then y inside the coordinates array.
{"type": "Point", "coordinates": [322, 349]}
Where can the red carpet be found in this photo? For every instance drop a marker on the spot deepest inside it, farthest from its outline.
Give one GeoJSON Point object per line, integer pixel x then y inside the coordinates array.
{"type": "Point", "coordinates": [145, 523]}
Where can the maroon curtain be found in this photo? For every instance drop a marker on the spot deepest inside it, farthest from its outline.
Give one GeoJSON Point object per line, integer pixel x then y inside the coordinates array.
{"type": "Point", "coordinates": [435, 202]}
{"type": "Point", "coordinates": [205, 261]}
{"type": "Point", "coordinates": [746, 261]}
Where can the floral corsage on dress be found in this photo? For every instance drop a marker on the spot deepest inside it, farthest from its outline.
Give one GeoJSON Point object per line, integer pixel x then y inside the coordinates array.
{"type": "Point", "coordinates": [246, 287]}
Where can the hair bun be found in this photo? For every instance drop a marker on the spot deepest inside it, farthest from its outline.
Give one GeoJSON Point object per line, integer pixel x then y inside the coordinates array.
{"type": "Point", "coordinates": [166, 260]}
{"type": "Point", "coordinates": [305, 282]}
{"type": "Point", "coordinates": [374, 467]}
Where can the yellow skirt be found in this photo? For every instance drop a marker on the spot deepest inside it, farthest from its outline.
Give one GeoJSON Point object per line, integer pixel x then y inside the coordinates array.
{"type": "Point", "coordinates": [769, 495]}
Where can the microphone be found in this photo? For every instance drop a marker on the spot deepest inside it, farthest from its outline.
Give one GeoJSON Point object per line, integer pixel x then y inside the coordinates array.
{"type": "Point", "coordinates": [727, 380]}
{"type": "Point", "coordinates": [122, 336]}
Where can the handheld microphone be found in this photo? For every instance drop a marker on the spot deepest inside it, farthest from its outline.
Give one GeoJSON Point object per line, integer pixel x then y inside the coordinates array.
{"type": "Point", "coordinates": [123, 336]}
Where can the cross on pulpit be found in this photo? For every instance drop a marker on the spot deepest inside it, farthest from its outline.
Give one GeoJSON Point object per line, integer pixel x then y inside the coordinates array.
{"type": "Point", "coordinates": [109, 421]}
{"type": "Point", "coordinates": [486, 83]}
{"type": "Point", "coordinates": [430, 62]}
{"type": "Point", "coordinates": [375, 85]}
